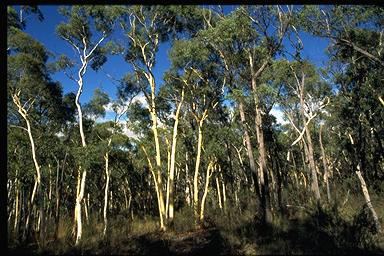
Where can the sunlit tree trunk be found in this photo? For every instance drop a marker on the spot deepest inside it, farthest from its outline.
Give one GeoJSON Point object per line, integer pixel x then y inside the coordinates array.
{"type": "Point", "coordinates": [85, 57]}
{"type": "Point", "coordinates": [206, 188]}
{"type": "Point", "coordinates": [157, 187]}
{"type": "Point", "coordinates": [58, 192]}
{"type": "Point", "coordinates": [196, 174]}
{"type": "Point", "coordinates": [24, 113]}
{"type": "Point", "coordinates": [79, 196]}
{"type": "Point", "coordinates": [368, 199]}
{"type": "Point", "coordinates": [200, 122]}
{"type": "Point", "coordinates": [218, 193]}
{"type": "Point", "coordinates": [364, 187]}
{"type": "Point", "coordinates": [168, 180]}
{"type": "Point", "coordinates": [173, 158]}
{"type": "Point", "coordinates": [107, 176]}
{"type": "Point", "coordinates": [188, 187]}
{"type": "Point", "coordinates": [152, 110]}
{"type": "Point", "coordinates": [224, 191]}
{"type": "Point", "coordinates": [17, 195]}
{"type": "Point", "coordinates": [79, 199]}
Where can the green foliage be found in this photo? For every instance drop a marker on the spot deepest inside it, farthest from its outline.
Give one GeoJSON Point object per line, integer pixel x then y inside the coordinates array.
{"type": "Point", "coordinates": [96, 107]}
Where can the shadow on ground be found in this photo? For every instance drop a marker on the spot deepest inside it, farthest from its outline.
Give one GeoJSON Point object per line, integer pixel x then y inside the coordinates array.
{"type": "Point", "coordinates": [317, 233]}
{"type": "Point", "coordinates": [199, 242]}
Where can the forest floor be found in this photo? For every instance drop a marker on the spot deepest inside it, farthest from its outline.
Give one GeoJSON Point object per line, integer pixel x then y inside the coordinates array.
{"type": "Point", "coordinates": [199, 242]}
{"type": "Point", "coordinates": [296, 239]}
{"type": "Point", "coordinates": [325, 231]}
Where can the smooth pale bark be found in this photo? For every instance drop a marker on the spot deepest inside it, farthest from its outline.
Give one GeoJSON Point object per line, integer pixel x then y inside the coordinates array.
{"type": "Point", "coordinates": [326, 171]}
{"type": "Point", "coordinates": [85, 59]}
{"type": "Point", "coordinates": [79, 199]}
{"type": "Point", "coordinates": [168, 169]}
{"type": "Point", "coordinates": [195, 177]}
{"type": "Point", "coordinates": [173, 158]}
{"type": "Point", "coordinates": [107, 175]}
{"type": "Point", "coordinates": [368, 199]}
{"type": "Point", "coordinates": [154, 40]}
{"type": "Point", "coordinates": [17, 214]}
{"type": "Point", "coordinates": [224, 190]}
{"type": "Point", "coordinates": [36, 189]}
{"type": "Point", "coordinates": [252, 163]}
{"type": "Point", "coordinates": [251, 159]}
{"type": "Point", "coordinates": [218, 193]}
{"type": "Point", "coordinates": [58, 193]}
{"type": "Point", "coordinates": [197, 166]}
{"type": "Point", "coordinates": [188, 189]}
{"type": "Point", "coordinates": [263, 172]}
{"type": "Point", "coordinates": [206, 188]}
{"type": "Point", "coordinates": [157, 188]}
{"type": "Point", "coordinates": [314, 181]}
{"type": "Point", "coordinates": [365, 191]}
{"type": "Point", "coordinates": [50, 189]}
{"type": "Point", "coordinates": [152, 110]}
{"type": "Point", "coordinates": [24, 113]}
{"type": "Point", "coordinates": [16, 200]}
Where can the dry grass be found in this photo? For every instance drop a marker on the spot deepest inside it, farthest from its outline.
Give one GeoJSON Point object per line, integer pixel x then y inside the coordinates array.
{"type": "Point", "coordinates": [318, 231]}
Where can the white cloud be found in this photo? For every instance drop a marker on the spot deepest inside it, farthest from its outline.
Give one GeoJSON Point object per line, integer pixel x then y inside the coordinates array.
{"type": "Point", "coordinates": [276, 112]}
{"type": "Point", "coordinates": [139, 98]}
{"type": "Point", "coordinates": [129, 132]}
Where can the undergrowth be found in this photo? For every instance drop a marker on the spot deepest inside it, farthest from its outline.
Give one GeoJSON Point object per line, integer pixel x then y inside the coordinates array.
{"type": "Point", "coordinates": [311, 229]}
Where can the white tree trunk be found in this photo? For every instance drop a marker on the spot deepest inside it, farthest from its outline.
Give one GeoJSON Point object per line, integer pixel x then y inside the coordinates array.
{"type": "Point", "coordinates": [106, 194]}
{"type": "Point", "coordinates": [218, 193]}
{"type": "Point", "coordinates": [224, 190]}
{"type": "Point", "coordinates": [196, 175]}
{"type": "Point", "coordinates": [168, 178]}
{"type": "Point", "coordinates": [206, 188]}
{"type": "Point", "coordinates": [78, 207]}
{"type": "Point", "coordinates": [16, 204]}
{"type": "Point", "coordinates": [368, 199]}
{"type": "Point", "coordinates": [173, 159]}
{"type": "Point", "coordinates": [157, 187]}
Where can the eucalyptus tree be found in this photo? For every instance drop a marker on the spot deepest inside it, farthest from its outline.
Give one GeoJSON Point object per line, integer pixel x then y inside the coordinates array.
{"type": "Point", "coordinates": [344, 25]}
{"type": "Point", "coordinates": [23, 69]}
{"type": "Point", "coordinates": [83, 24]}
{"type": "Point", "coordinates": [17, 20]}
{"type": "Point", "coordinates": [228, 36]}
{"type": "Point", "coordinates": [271, 24]}
{"type": "Point", "coordinates": [311, 94]}
{"type": "Point", "coordinates": [257, 38]}
{"type": "Point", "coordinates": [204, 91]}
{"type": "Point", "coordinates": [356, 45]}
{"type": "Point", "coordinates": [146, 28]}
{"type": "Point", "coordinates": [96, 109]}
{"type": "Point", "coordinates": [175, 90]}
{"type": "Point", "coordinates": [38, 108]}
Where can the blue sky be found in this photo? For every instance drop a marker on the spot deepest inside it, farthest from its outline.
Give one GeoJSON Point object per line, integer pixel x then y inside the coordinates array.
{"type": "Point", "coordinates": [314, 50]}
